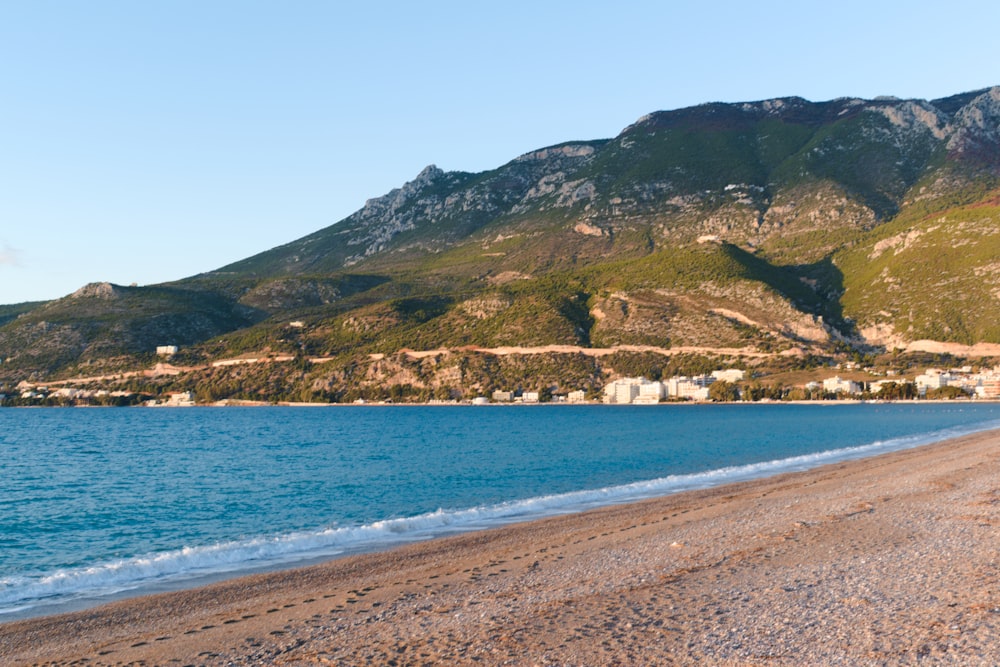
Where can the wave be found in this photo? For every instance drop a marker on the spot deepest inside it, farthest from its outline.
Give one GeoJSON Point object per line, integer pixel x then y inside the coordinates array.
{"type": "Point", "coordinates": [171, 569]}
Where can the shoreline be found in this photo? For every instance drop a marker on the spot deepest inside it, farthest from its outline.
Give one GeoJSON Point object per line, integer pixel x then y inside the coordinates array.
{"type": "Point", "coordinates": [234, 403]}
{"type": "Point", "coordinates": [774, 570]}
{"type": "Point", "coordinates": [108, 581]}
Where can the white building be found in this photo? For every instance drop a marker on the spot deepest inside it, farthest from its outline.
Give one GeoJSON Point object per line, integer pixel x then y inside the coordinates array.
{"type": "Point", "coordinates": [166, 350]}
{"type": "Point", "coordinates": [69, 392]}
{"type": "Point", "coordinates": [578, 396]}
{"type": "Point", "coordinates": [837, 385]}
{"type": "Point", "coordinates": [652, 391]}
{"type": "Point", "coordinates": [989, 385]}
{"type": "Point", "coordinates": [622, 390]}
{"type": "Point", "coordinates": [626, 391]}
{"type": "Point", "coordinates": [689, 388]}
{"type": "Point", "coordinates": [180, 398]}
{"type": "Point", "coordinates": [933, 379]}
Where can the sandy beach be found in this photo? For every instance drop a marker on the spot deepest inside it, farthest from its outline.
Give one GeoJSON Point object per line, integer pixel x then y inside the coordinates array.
{"type": "Point", "coordinates": [884, 561]}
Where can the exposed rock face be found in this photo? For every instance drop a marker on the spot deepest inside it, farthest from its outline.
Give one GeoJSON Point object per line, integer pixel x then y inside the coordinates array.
{"type": "Point", "coordinates": [384, 217]}
{"type": "Point", "coordinates": [916, 116]}
{"type": "Point", "coordinates": [977, 127]}
{"type": "Point", "coordinates": [96, 291]}
{"type": "Point", "coordinates": [589, 230]}
{"type": "Point", "coordinates": [557, 152]}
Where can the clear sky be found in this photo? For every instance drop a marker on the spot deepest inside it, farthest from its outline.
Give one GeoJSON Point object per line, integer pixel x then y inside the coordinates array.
{"type": "Point", "coordinates": [149, 141]}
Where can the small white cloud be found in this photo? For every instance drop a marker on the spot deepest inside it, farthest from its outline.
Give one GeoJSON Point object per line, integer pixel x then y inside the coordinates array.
{"type": "Point", "coordinates": [9, 256]}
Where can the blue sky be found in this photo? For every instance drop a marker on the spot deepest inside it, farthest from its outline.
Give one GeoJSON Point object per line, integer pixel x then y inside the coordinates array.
{"type": "Point", "coordinates": [149, 141]}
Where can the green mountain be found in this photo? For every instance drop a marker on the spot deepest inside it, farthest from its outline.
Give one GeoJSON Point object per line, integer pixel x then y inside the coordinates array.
{"type": "Point", "coordinates": [115, 327]}
{"type": "Point", "coordinates": [778, 226]}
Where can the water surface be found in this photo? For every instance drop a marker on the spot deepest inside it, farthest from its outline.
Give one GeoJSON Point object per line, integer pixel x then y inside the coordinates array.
{"type": "Point", "coordinates": [94, 502]}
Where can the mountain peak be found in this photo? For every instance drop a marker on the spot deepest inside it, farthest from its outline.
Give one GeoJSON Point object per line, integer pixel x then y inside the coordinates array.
{"type": "Point", "coordinates": [428, 174]}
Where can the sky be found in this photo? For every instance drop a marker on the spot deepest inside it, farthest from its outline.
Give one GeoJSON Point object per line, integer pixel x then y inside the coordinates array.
{"type": "Point", "coordinates": [143, 142]}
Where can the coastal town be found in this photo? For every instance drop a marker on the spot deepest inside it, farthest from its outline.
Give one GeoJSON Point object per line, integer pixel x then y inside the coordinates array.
{"type": "Point", "coordinates": [953, 383]}
{"type": "Point", "coordinates": [719, 386]}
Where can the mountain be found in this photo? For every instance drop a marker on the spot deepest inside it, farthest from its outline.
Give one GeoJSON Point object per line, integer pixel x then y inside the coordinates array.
{"type": "Point", "coordinates": [782, 226]}
{"type": "Point", "coordinates": [115, 326]}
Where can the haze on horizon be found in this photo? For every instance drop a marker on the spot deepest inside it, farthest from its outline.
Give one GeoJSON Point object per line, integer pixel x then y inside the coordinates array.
{"type": "Point", "coordinates": [146, 143]}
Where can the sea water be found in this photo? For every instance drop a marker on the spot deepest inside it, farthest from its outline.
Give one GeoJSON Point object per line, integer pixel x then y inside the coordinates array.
{"type": "Point", "coordinates": [98, 503]}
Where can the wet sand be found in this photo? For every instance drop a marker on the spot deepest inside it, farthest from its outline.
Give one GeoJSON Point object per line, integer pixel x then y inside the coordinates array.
{"type": "Point", "coordinates": [889, 560]}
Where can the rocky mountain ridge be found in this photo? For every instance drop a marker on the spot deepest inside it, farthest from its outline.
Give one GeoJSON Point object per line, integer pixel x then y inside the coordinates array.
{"type": "Point", "coordinates": [744, 170]}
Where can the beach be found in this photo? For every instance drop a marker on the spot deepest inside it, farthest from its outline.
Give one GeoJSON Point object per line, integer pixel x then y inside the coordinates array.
{"type": "Point", "coordinates": [886, 560]}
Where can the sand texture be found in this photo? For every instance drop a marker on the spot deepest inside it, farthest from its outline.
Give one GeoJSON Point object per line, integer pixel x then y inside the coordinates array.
{"type": "Point", "coordinates": [886, 561]}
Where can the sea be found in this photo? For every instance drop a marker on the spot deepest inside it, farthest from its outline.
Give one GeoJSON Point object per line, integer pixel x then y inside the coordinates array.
{"type": "Point", "coordinates": [98, 504]}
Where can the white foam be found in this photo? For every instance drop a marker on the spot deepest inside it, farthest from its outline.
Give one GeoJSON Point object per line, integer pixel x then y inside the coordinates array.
{"type": "Point", "coordinates": [18, 593]}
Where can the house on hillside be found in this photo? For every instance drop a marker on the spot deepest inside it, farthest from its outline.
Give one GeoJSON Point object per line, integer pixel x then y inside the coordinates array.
{"type": "Point", "coordinates": [837, 385]}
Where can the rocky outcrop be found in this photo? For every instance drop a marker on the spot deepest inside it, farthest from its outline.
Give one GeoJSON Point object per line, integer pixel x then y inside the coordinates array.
{"type": "Point", "coordinates": [97, 291]}
{"type": "Point", "coordinates": [977, 128]}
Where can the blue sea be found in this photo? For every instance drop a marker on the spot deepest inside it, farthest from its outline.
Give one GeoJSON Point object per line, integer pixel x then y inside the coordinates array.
{"type": "Point", "coordinates": [101, 503]}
